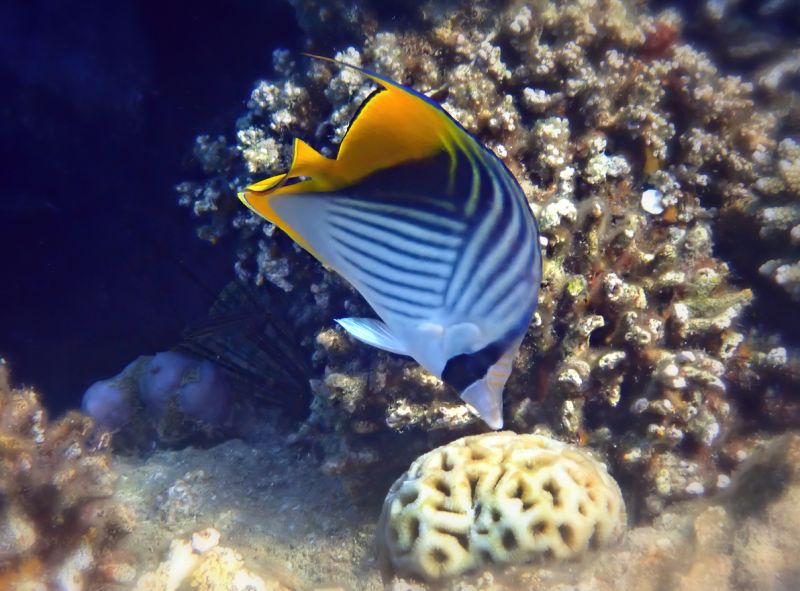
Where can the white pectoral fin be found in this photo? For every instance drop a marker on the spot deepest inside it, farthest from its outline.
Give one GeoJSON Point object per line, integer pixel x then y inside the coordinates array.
{"type": "Point", "coordinates": [373, 332]}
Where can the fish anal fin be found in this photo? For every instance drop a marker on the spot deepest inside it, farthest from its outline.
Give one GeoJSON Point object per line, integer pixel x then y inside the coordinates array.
{"type": "Point", "coordinates": [373, 332]}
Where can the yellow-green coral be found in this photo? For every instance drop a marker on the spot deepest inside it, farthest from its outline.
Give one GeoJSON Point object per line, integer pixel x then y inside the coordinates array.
{"type": "Point", "coordinates": [497, 498]}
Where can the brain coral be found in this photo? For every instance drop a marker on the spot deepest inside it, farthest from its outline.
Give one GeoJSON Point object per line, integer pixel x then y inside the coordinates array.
{"type": "Point", "coordinates": [497, 498]}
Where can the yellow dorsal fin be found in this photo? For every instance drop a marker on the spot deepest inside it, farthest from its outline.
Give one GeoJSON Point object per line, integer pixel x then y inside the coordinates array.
{"type": "Point", "coordinates": [393, 126]}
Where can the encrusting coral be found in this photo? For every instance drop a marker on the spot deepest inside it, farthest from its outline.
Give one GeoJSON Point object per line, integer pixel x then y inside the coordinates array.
{"type": "Point", "coordinates": [167, 398]}
{"type": "Point", "coordinates": [58, 521]}
{"type": "Point", "coordinates": [204, 565]}
{"type": "Point", "coordinates": [627, 142]}
{"type": "Point", "coordinates": [759, 202]}
{"type": "Point", "coordinates": [497, 498]}
{"type": "Point", "coordinates": [206, 388]}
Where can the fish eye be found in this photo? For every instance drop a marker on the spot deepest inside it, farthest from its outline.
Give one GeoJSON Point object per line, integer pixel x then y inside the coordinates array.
{"type": "Point", "coordinates": [295, 180]}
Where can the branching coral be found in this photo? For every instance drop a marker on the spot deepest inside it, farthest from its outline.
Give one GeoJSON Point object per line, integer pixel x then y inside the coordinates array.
{"type": "Point", "coordinates": [58, 523]}
{"type": "Point", "coordinates": [626, 142]}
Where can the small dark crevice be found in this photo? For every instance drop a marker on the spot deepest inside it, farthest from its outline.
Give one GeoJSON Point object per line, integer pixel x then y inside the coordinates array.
{"type": "Point", "coordinates": [414, 525]}
{"type": "Point", "coordinates": [509, 540]}
{"type": "Point", "coordinates": [554, 490]}
{"type": "Point", "coordinates": [567, 534]}
{"type": "Point", "coordinates": [439, 556]}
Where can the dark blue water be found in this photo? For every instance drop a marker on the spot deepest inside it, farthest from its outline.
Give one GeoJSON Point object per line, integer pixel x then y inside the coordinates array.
{"type": "Point", "coordinates": [100, 106]}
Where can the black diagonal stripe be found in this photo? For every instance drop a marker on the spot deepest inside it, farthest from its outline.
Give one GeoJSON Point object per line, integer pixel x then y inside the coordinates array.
{"type": "Point", "coordinates": [386, 279]}
{"type": "Point", "coordinates": [423, 183]}
{"type": "Point", "coordinates": [389, 229]}
{"type": "Point", "coordinates": [350, 232]}
{"type": "Point", "coordinates": [435, 221]}
{"type": "Point", "coordinates": [496, 232]}
{"type": "Point", "coordinates": [383, 262]}
{"type": "Point", "coordinates": [387, 299]}
{"type": "Point", "coordinates": [522, 239]}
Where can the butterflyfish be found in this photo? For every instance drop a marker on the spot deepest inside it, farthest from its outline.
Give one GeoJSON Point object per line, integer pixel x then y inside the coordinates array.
{"type": "Point", "coordinates": [430, 227]}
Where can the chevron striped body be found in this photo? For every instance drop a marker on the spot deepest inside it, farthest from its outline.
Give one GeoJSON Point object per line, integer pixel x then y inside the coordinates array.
{"type": "Point", "coordinates": [438, 238]}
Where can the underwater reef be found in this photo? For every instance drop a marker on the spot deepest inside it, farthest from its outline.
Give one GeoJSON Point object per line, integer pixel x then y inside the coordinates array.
{"type": "Point", "coordinates": [237, 512]}
{"type": "Point", "coordinates": [654, 406]}
{"type": "Point", "coordinates": [258, 516]}
{"type": "Point", "coordinates": [746, 538]}
{"type": "Point", "coordinates": [641, 159]}
{"type": "Point", "coordinates": [204, 565]}
{"type": "Point", "coordinates": [267, 501]}
{"type": "Point", "coordinates": [59, 521]}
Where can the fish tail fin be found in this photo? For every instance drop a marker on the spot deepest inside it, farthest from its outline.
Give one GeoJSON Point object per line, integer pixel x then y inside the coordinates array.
{"type": "Point", "coordinates": [307, 162]}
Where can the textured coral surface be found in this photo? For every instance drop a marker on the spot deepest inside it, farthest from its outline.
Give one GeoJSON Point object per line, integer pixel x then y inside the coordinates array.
{"type": "Point", "coordinates": [644, 162]}
{"type": "Point", "coordinates": [497, 498]}
{"type": "Point", "coordinates": [258, 498]}
{"type": "Point", "coordinates": [58, 521]}
{"type": "Point", "coordinates": [204, 565]}
{"type": "Point", "coordinates": [288, 522]}
{"type": "Point", "coordinates": [745, 539]}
